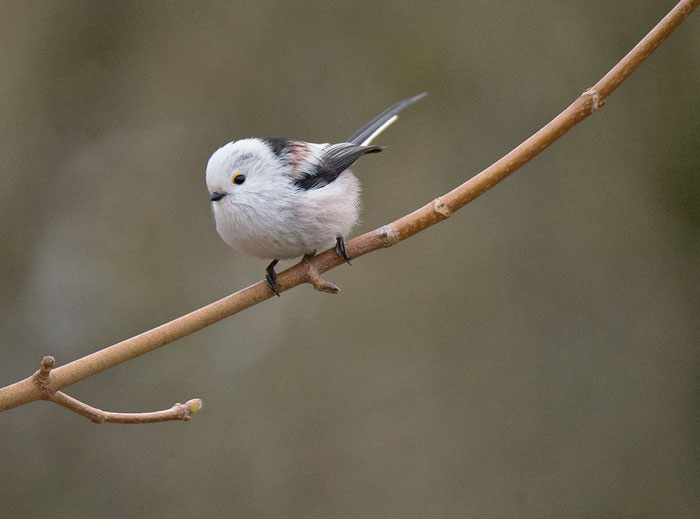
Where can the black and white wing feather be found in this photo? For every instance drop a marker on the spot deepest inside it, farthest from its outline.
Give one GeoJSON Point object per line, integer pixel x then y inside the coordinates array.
{"type": "Point", "coordinates": [334, 159]}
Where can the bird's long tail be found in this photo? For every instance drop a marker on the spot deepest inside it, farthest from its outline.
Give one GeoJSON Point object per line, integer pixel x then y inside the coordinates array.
{"type": "Point", "coordinates": [369, 131]}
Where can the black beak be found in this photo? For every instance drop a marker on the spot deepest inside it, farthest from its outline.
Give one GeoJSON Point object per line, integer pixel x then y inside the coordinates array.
{"type": "Point", "coordinates": [216, 196]}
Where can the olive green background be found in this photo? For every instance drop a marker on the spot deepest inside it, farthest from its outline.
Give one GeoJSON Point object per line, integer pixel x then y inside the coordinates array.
{"type": "Point", "coordinates": [536, 355]}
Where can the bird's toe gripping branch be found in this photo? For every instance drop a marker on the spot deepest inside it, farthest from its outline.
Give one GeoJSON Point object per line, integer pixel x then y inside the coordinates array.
{"type": "Point", "coordinates": [341, 250]}
{"type": "Point", "coordinates": [271, 277]}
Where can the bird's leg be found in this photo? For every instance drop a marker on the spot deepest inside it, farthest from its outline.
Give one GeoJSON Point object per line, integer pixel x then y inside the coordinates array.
{"type": "Point", "coordinates": [315, 278]}
{"type": "Point", "coordinates": [340, 249]}
{"type": "Point", "coordinates": [271, 277]}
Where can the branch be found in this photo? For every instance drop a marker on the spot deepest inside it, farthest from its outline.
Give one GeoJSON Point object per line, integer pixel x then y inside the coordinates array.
{"type": "Point", "coordinates": [176, 412]}
{"type": "Point", "coordinates": [309, 270]}
{"type": "Point", "coordinates": [42, 380]}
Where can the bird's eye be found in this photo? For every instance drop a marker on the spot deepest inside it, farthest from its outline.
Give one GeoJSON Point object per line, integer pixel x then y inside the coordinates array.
{"type": "Point", "coordinates": [238, 179]}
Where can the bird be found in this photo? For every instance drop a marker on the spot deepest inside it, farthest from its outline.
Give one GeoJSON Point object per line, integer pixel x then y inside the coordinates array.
{"type": "Point", "coordinates": [277, 198]}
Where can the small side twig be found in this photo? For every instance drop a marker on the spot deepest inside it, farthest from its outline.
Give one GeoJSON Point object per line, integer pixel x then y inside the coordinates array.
{"type": "Point", "coordinates": [316, 280]}
{"type": "Point", "coordinates": [176, 412]}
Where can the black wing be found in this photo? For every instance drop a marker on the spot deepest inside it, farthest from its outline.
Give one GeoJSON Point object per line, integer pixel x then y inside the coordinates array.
{"type": "Point", "coordinates": [335, 159]}
{"type": "Point", "coordinates": [373, 128]}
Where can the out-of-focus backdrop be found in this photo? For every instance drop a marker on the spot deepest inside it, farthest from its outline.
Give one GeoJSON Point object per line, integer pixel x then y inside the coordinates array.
{"type": "Point", "coordinates": [535, 355]}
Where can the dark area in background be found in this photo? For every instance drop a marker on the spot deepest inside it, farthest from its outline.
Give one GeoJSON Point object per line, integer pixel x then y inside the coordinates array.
{"type": "Point", "coordinates": [534, 356]}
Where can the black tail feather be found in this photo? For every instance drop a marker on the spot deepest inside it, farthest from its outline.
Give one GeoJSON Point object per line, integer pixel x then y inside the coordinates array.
{"type": "Point", "coordinates": [364, 133]}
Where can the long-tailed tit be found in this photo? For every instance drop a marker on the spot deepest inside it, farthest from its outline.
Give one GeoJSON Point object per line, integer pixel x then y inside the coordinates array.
{"type": "Point", "coordinates": [279, 198]}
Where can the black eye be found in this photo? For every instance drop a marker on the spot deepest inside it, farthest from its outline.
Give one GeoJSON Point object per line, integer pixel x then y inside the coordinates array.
{"type": "Point", "coordinates": [238, 179]}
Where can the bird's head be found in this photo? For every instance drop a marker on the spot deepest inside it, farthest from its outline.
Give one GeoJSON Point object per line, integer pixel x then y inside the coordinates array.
{"type": "Point", "coordinates": [243, 170]}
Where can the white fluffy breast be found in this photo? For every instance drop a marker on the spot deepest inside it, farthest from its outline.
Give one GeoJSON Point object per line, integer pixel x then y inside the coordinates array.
{"type": "Point", "coordinates": [290, 222]}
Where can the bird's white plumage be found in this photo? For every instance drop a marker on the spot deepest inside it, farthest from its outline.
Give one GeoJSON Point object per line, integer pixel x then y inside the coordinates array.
{"type": "Point", "coordinates": [268, 216]}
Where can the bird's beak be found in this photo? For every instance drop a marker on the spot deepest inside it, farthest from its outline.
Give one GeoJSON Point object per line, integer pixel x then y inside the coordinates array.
{"type": "Point", "coordinates": [216, 196]}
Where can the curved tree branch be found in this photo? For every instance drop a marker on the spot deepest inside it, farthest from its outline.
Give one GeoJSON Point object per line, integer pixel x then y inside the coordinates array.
{"type": "Point", "coordinates": [308, 271]}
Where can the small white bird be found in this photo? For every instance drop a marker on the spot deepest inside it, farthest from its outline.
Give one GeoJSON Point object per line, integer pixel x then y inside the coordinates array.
{"type": "Point", "coordinates": [278, 198]}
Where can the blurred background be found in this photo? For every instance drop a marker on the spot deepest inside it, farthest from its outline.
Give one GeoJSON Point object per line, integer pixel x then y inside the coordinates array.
{"type": "Point", "coordinates": [536, 355]}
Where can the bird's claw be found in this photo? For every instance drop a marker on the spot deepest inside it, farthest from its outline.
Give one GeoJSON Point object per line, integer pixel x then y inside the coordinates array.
{"type": "Point", "coordinates": [341, 250]}
{"type": "Point", "coordinates": [271, 278]}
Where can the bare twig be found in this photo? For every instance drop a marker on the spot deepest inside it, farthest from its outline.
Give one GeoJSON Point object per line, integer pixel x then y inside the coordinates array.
{"type": "Point", "coordinates": [309, 271]}
{"type": "Point", "coordinates": [176, 412]}
{"type": "Point", "coordinates": [42, 380]}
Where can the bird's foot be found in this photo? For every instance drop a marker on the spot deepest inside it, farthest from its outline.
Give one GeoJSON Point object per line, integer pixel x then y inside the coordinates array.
{"type": "Point", "coordinates": [315, 278]}
{"type": "Point", "coordinates": [271, 277]}
{"type": "Point", "coordinates": [340, 249]}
